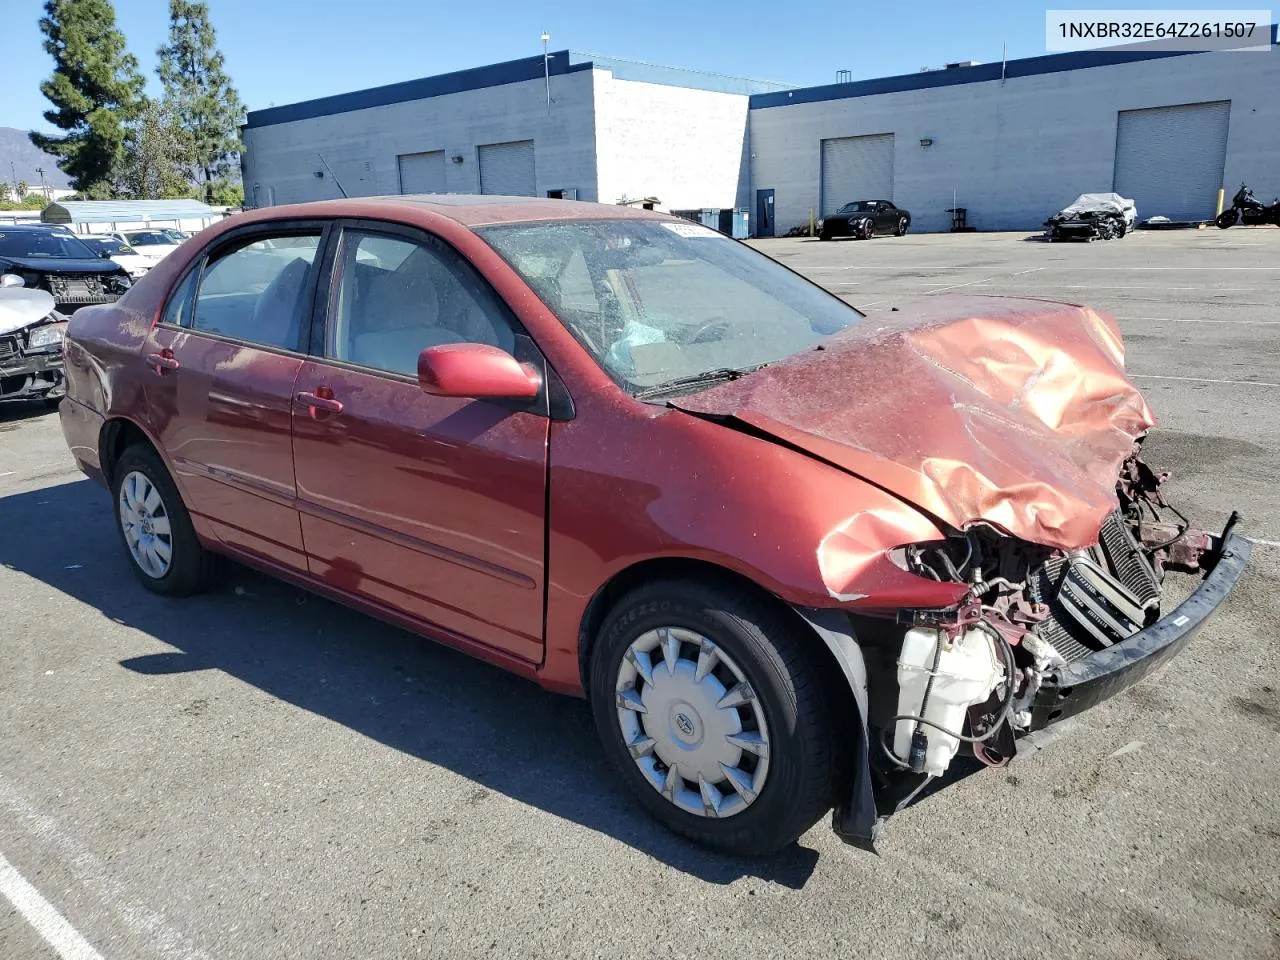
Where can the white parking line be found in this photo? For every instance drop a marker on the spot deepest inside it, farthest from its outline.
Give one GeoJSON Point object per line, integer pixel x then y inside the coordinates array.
{"type": "Point", "coordinates": [43, 916]}
{"type": "Point", "coordinates": [1266, 543]}
{"type": "Point", "coordinates": [98, 878]}
{"type": "Point", "coordinates": [1245, 383]}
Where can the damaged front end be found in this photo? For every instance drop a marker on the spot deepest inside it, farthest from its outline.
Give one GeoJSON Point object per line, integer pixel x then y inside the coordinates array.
{"type": "Point", "coordinates": [1042, 633]}
{"type": "Point", "coordinates": [31, 340]}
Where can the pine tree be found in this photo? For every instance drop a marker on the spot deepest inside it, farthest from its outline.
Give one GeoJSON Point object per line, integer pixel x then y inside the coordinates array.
{"type": "Point", "coordinates": [207, 107]}
{"type": "Point", "coordinates": [95, 89]}
{"type": "Point", "coordinates": [156, 160]}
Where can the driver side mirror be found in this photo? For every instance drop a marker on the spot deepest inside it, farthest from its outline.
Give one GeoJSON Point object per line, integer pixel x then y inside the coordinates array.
{"type": "Point", "coordinates": [11, 280]}
{"type": "Point", "coordinates": [475, 370]}
{"type": "Point", "coordinates": [104, 254]}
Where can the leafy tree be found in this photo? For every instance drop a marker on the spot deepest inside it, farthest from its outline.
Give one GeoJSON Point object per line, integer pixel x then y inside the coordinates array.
{"type": "Point", "coordinates": [206, 104]}
{"type": "Point", "coordinates": [4, 191]}
{"type": "Point", "coordinates": [228, 193]}
{"type": "Point", "coordinates": [156, 157]}
{"type": "Point", "coordinates": [22, 189]}
{"type": "Point", "coordinates": [95, 90]}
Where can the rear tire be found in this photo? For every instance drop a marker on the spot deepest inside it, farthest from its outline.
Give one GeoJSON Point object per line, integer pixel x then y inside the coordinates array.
{"type": "Point", "coordinates": [785, 680]}
{"type": "Point", "coordinates": [155, 527]}
{"type": "Point", "coordinates": [902, 227]}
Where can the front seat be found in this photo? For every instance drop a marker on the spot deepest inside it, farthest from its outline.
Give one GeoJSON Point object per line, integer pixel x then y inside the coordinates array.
{"type": "Point", "coordinates": [277, 316]}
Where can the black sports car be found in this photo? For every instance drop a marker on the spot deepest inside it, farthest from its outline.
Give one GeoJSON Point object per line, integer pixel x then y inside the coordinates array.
{"type": "Point", "coordinates": [61, 264]}
{"type": "Point", "coordinates": [863, 219]}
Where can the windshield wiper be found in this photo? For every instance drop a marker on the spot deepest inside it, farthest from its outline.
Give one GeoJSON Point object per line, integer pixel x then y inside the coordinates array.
{"type": "Point", "coordinates": [705, 377]}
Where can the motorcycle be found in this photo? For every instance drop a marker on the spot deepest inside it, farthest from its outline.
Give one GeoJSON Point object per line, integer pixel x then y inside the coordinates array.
{"type": "Point", "coordinates": [1247, 209]}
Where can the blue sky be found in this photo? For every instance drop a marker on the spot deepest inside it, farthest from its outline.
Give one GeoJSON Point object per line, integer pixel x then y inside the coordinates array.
{"type": "Point", "coordinates": [281, 51]}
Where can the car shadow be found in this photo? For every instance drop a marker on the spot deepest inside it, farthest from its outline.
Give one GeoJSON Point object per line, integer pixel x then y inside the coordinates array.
{"type": "Point", "coordinates": [14, 412]}
{"type": "Point", "coordinates": [500, 731]}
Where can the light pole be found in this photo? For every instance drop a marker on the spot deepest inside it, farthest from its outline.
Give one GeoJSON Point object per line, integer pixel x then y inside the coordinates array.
{"type": "Point", "coordinates": [43, 189]}
{"type": "Point", "coordinates": [546, 68]}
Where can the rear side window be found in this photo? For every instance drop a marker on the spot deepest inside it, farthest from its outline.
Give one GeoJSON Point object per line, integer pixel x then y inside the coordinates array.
{"type": "Point", "coordinates": [256, 292]}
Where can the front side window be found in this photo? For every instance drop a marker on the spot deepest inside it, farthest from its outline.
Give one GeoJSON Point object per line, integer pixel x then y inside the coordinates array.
{"type": "Point", "coordinates": [396, 297]}
{"type": "Point", "coordinates": [655, 301]}
{"type": "Point", "coordinates": [256, 292]}
{"type": "Point", "coordinates": [858, 206]}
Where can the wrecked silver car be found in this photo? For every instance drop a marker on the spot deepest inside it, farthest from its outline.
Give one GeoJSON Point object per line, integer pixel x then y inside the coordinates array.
{"type": "Point", "coordinates": [31, 335]}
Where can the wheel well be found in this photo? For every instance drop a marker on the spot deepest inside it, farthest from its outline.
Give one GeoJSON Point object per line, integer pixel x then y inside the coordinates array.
{"type": "Point", "coordinates": [683, 568]}
{"type": "Point", "coordinates": [116, 437]}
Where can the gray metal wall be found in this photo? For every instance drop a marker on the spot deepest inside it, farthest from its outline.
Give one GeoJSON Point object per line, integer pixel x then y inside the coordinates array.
{"type": "Point", "coordinates": [363, 148]}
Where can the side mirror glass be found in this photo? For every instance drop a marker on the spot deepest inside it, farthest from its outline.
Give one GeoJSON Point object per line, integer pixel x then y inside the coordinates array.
{"type": "Point", "coordinates": [475, 370]}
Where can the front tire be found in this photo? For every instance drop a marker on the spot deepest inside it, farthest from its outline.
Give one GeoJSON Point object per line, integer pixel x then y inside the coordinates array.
{"type": "Point", "coordinates": [155, 528]}
{"type": "Point", "coordinates": [714, 709]}
{"type": "Point", "coordinates": [1228, 218]}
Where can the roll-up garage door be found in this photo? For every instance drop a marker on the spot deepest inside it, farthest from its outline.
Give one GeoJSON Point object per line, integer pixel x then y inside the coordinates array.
{"type": "Point", "coordinates": [422, 172]}
{"type": "Point", "coordinates": [1170, 159]}
{"type": "Point", "coordinates": [507, 168]}
{"type": "Point", "coordinates": [856, 168]}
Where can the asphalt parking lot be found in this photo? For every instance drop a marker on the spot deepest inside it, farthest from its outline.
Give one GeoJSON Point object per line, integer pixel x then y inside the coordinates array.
{"type": "Point", "coordinates": [260, 773]}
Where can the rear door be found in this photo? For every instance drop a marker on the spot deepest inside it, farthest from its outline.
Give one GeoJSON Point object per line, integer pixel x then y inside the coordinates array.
{"type": "Point", "coordinates": [224, 357]}
{"type": "Point", "coordinates": [432, 506]}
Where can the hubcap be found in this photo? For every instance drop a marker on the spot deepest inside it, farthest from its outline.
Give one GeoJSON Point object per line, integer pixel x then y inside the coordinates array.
{"type": "Point", "coordinates": [692, 723]}
{"type": "Point", "coordinates": [145, 522]}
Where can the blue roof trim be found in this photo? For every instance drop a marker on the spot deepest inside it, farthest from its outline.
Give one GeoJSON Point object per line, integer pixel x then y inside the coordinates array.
{"type": "Point", "coordinates": [1027, 67]}
{"type": "Point", "coordinates": [476, 78]}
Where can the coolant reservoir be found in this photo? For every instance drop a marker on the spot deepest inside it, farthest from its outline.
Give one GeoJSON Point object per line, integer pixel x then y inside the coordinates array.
{"type": "Point", "coordinates": [968, 671]}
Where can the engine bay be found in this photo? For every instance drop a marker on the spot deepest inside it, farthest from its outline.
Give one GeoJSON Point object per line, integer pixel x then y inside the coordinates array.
{"type": "Point", "coordinates": [967, 677]}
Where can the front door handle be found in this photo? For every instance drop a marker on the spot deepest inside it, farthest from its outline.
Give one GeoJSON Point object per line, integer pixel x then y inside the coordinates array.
{"type": "Point", "coordinates": [322, 399]}
{"type": "Point", "coordinates": [162, 361]}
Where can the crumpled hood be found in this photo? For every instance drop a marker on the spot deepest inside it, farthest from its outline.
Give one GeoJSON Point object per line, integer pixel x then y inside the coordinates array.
{"type": "Point", "coordinates": [67, 265]}
{"type": "Point", "coordinates": [1015, 412]}
{"type": "Point", "coordinates": [21, 307]}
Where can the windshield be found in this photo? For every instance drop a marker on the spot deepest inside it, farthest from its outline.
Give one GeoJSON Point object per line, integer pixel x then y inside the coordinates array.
{"type": "Point", "coordinates": [43, 243]}
{"type": "Point", "coordinates": [147, 239]}
{"type": "Point", "coordinates": [858, 206]}
{"type": "Point", "coordinates": [177, 236]}
{"type": "Point", "coordinates": [655, 301]}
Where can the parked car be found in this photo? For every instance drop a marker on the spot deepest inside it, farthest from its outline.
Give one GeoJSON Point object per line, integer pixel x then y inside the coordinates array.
{"type": "Point", "coordinates": [31, 334]}
{"type": "Point", "coordinates": [796, 557]}
{"type": "Point", "coordinates": [61, 264]}
{"type": "Point", "coordinates": [863, 219]}
{"type": "Point", "coordinates": [1093, 216]}
{"type": "Point", "coordinates": [155, 244]}
{"type": "Point", "coordinates": [134, 263]}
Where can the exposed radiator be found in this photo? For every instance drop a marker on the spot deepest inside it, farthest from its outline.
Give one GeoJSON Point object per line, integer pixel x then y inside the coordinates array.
{"type": "Point", "coordinates": [1099, 597]}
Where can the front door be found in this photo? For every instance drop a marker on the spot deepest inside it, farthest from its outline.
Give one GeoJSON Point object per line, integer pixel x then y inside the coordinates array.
{"type": "Point", "coordinates": [225, 356]}
{"type": "Point", "coordinates": [764, 213]}
{"type": "Point", "coordinates": [432, 506]}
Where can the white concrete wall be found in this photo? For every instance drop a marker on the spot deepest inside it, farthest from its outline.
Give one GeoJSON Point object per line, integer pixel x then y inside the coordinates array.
{"type": "Point", "coordinates": [686, 147]}
{"type": "Point", "coordinates": [1016, 153]}
{"type": "Point", "coordinates": [362, 145]}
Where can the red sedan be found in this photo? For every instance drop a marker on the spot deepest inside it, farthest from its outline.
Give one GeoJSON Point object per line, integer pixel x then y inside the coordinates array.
{"type": "Point", "coordinates": [796, 557]}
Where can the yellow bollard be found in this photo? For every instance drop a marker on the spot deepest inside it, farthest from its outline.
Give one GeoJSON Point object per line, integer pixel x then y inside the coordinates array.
{"type": "Point", "coordinates": [1221, 194]}
{"type": "Point", "coordinates": [811, 221]}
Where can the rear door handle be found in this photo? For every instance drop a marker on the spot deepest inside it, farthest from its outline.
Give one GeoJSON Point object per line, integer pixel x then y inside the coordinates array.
{"type": "Point", "coordinates": [317, 402]}
{"type": "Point", "coordinates": [165, 360]}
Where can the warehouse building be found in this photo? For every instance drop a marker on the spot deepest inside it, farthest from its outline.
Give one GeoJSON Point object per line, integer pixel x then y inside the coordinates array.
{"type": "Point", "coordinates": [1011, 143]}
{"type": "Point", "coordinates": [586, 129]}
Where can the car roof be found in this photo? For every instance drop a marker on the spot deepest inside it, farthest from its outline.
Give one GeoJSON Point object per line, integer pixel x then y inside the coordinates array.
{"type": "Point", "coordinates": [470, 210]}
